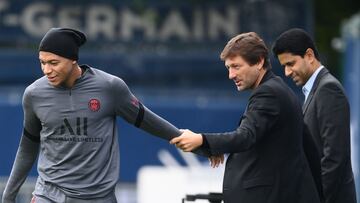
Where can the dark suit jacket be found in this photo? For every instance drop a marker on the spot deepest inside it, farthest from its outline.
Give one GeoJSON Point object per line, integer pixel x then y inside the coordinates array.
{"type": "Point", "coordinates": [327, 118]}
{"type": "Point", "coordinates": [266, 161]}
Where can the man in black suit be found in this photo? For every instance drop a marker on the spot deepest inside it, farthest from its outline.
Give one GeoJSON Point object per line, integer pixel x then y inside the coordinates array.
{"type": "Point", "coordinates": [266, 161]}
{"type": "Point", "coordinates": [326, 112]}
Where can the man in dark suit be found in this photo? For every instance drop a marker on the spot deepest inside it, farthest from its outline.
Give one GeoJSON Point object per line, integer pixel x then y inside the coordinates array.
{"type": "Point", "coordinates": [266, 161]}
{"type": "Point", "coordinates": [326, 112]}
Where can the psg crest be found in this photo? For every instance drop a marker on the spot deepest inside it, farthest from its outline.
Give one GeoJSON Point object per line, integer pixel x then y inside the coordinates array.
{"type": "Point", "coordinates": [94, 105]}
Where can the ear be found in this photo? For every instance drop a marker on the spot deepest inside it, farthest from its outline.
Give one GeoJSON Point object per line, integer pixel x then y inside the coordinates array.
{"type": "Point", "coordinates": [309, 55]}
{"type": "Point", "coordinates": [74, 62]}
{"type": "Point", "coordinates": [260, 64]}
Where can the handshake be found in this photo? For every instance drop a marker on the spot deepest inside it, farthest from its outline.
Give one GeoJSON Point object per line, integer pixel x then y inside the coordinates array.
{"type": "Point", "coordinates": [189, 141]}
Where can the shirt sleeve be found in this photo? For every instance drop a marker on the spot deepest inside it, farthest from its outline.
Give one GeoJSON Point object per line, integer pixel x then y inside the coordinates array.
{"type": "Point", "coordinates": [334, 119]}
{"type": "Point", "coordinates": [133, 111]}
{"type": "Point", "coordinates": [32, 124]}
{"type": "Point", "coordinates": [25, 158]}
{"type": "Point", "coordinates": [27, 152]}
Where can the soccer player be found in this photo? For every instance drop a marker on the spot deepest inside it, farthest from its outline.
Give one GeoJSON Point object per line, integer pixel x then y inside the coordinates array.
{"type": "Point", "coordinates": [70, 124]}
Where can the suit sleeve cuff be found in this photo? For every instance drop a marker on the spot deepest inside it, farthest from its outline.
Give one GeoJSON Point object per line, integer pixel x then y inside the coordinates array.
{"type": "Point", "coordinates": [205, 142]}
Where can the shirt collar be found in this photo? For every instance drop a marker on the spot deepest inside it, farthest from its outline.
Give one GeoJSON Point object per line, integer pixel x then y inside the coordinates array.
{"type": "Point", "coordinates": [309, 84]}
{"type": "Point", "coordinates": [86, 69]}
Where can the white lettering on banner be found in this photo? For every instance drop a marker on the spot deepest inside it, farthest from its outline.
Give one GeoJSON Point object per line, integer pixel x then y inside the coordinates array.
{"type": "Point", "coordinates": [122, 23]}
{"type": "Point", "coordinates": [70, 16]}
{"type": "Point", "coordinates": [101, 22]}
{"type": "Point", "coordinates": [174, 25]}
{"type": "Point", "coordinates": [198, 27]}
{"type": "Point", "coordinates": [220, 24]}
{"type": "Point", "coordinates": [131, 21]}
{"type": "Point", "coordinates": [36, 19]}
{"type": "Point", "coordinates": [3, 5]}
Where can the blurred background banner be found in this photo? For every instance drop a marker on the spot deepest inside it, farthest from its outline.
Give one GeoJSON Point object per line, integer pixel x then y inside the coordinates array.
{"type": "Point", "coordinates": [179, 23]}
{"type": "Point", "coordinates": [138, 38]}
{"type": "Point", "coordinates": [168, 54]}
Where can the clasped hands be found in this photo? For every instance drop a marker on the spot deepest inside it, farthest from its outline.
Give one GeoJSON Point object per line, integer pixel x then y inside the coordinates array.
{"type": "Point", "coordinates": [189, 141]}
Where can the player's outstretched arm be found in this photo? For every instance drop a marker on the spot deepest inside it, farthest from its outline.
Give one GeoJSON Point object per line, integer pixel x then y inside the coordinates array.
{"type": "Point", "coordinates": [134, 112]}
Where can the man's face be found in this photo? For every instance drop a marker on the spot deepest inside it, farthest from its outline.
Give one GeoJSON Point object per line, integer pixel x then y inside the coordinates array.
{"type": "Point", "coordinates": [57, 69]}
{"type": "Point", "coordinates": [244, 75]}
{"type": "Point", "coordinates": [296, 67]}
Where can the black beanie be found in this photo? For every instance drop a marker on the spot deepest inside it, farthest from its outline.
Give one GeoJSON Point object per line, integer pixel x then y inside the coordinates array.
{"type": "Point", "coordinates": [64, 42]}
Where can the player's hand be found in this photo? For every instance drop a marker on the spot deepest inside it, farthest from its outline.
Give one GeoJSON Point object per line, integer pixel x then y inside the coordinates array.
{"type": "Point", "coordinates": [215, 161]}
{"type": "Point", "coordinates": [187, 141]}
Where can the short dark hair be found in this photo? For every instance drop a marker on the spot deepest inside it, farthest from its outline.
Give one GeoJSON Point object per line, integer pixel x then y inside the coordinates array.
{"type": "Point", "coordinates": [294, 41]}
{"type": "Point", "coordinates": [249, 46]}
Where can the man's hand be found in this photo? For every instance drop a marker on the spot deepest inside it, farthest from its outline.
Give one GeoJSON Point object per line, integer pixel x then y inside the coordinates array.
{"type": "Point", "coordinates": [215, 161]}
{"type": "Point", "coordinates": [187, 141]}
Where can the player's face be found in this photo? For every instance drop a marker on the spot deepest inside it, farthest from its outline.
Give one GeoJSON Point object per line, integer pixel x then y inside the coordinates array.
{"type": "Point", "coordinates": [244, 75]}
{"type": "Point", "coordinates": [296, 67]}
{"type": "Point", "coordinates": [57, 69]}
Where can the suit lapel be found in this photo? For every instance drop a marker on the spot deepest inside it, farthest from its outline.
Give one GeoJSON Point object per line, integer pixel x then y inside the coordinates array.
{"type": "Point", "coordinates": [321, 74]}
